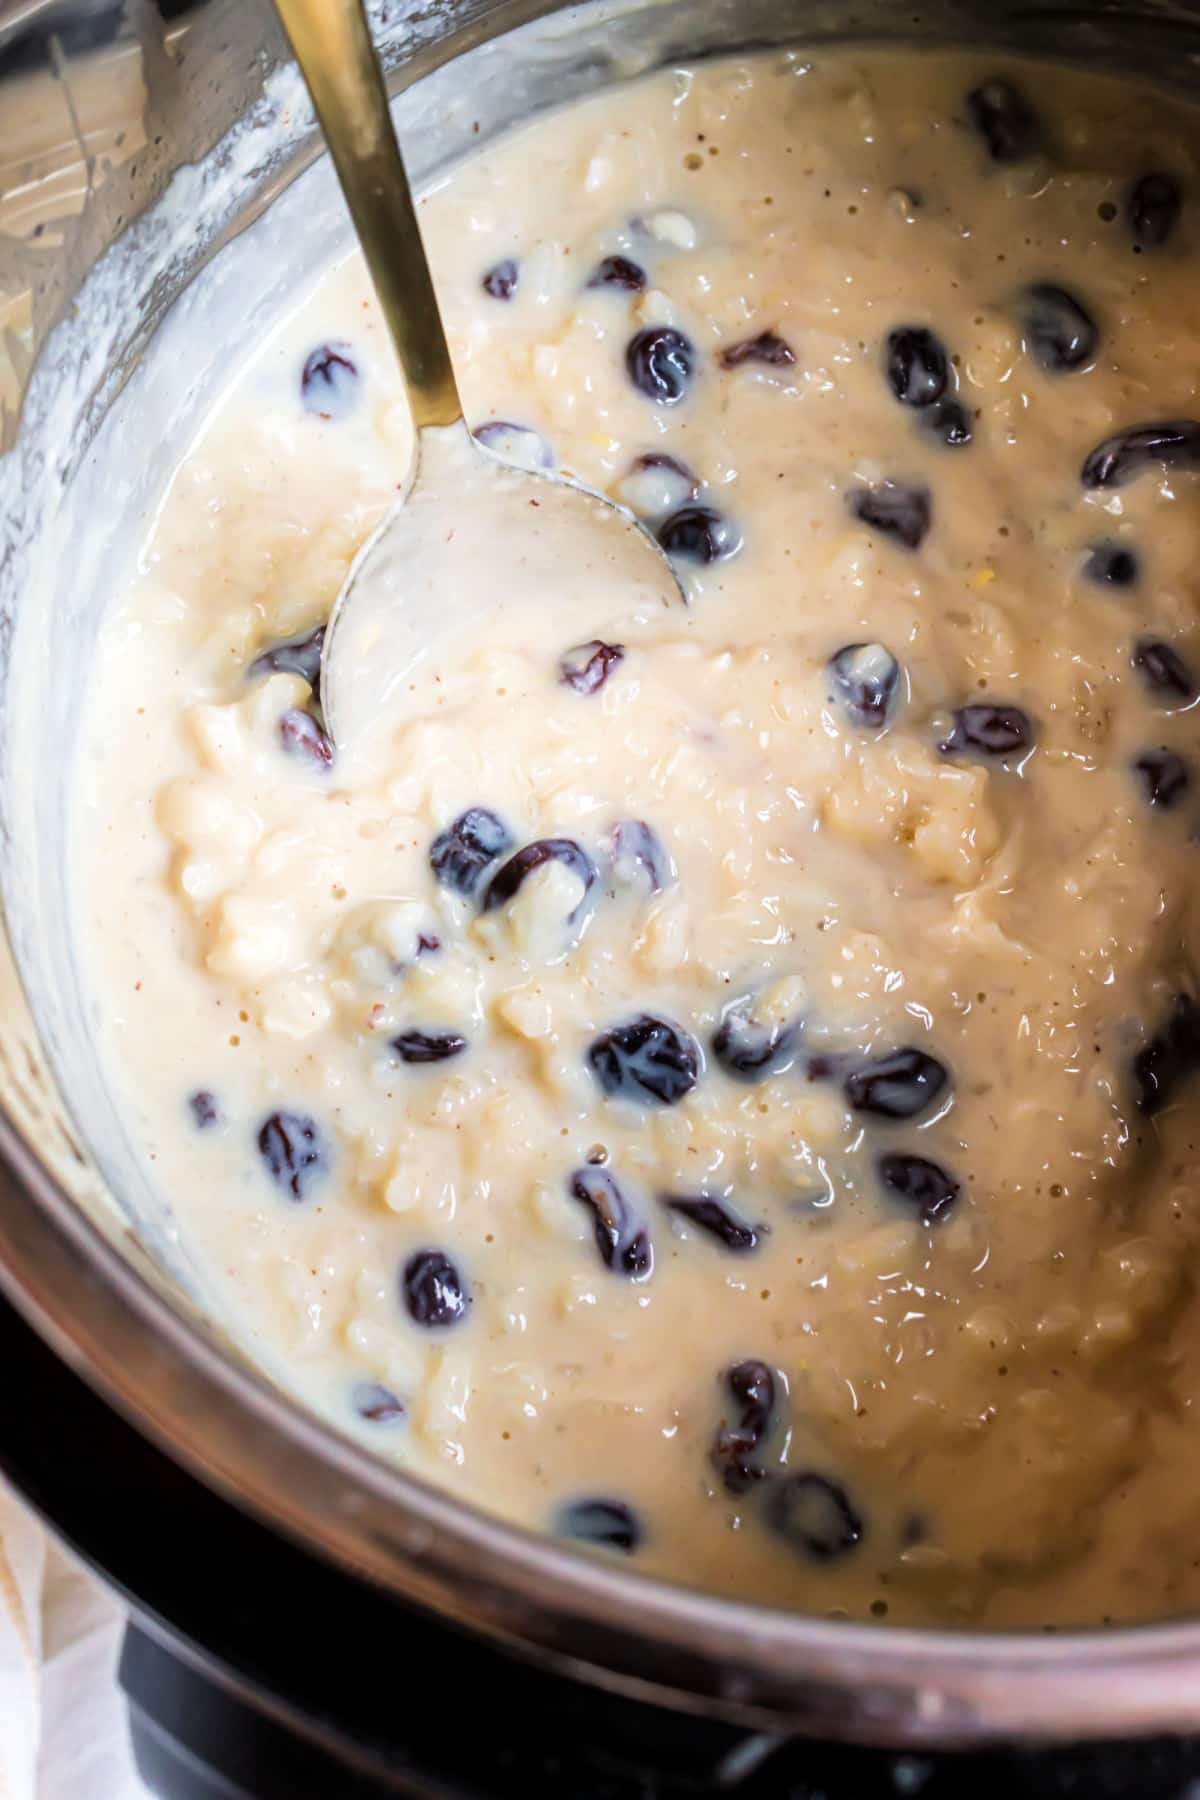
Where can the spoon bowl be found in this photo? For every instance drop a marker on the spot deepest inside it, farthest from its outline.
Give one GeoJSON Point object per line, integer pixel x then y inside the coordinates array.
{"type": "Point", "coordinates": [475, 535]}
{"type": "Point", "coordinates": [471, 533]}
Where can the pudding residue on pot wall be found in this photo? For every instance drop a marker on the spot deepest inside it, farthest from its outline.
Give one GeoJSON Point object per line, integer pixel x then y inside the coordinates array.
{"type": "Point", "coordinates": [718, 1083]}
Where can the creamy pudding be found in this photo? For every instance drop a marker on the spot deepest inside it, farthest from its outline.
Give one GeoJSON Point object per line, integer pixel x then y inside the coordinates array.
{"type": "Point", "coordinates": [715, 1081]}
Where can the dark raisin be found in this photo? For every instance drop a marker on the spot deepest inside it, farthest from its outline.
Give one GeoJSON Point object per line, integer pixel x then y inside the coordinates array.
{"type": "Point", "coordinates": [605, 1524]}
{"type": "Point", "coordinates": [988, 729]}
{"type": "Point", "coordinates": [766, 348]}
{"type": "Point", "coordinates": [656, 484]}
{"type": "Point", "coordinates": [897, 512]}
{"type": "Point", "coordinates": [916, 365]}
{"type": "Point", "coordinates": [205, 1109]}
{"type": "Point", "coordinates": [618, 272]}
{"type": "Point", "coordinates": [1005, 121]}
{"type": "Point", "coordinates": [1059, 332]}
{"type": "Point", "coordinates": [814, 1515]}
{"type": "Point", "coordinates": [295, 656]}
{"type": "Point", "coordinates": [290, 1145]}
{"type": "Point", "coordinates": [433, 1290]}
{"type": "Point", "coordinates": [699, 534]}
{"type": "Point", "coordinates": [1164, 672]}
{"type": "Point", "coordinates": [1165, 777]}
{"type": "Point", "coordinates": [587, 667]}
{"type": "Point", "coordinates": [1173, 445]}
{"type": "Point", "coordinates": [1108, 565]}
{"type": "Point", "coordinates": [639, 854]}
{"type": "Point", "coordinates": [645, 1060]}
{"type": "Point", "coordinates": [714, 1217]}
{"type": "Point", "coordinates": [949, 422]}
{"type": "Point", "coordinates": [329, 382]}
{"type": "Point", "coordinates": [623, 1244]}
{"type": "Point", "coordinates": [735, 1447]}
{"type": "Point", "coordinates": [519, 444]}
{"type": "Point", "coordinates": [921, 1184]}
{"type": "Point", "coordinates": [507, 879]}
{"type": "Point", "coordinates": [428, 1046]}
{"type": "Point", "coordinates": [750, 1049]}
{"type": "Point", "coordinates": [301, 735]}
{"type": "Point", "coordinates": [460, 854]}
{"type": "Point", "coordinates": [378, 1404]}
{"type": "Point", "coordinates": [660, 362]}
{"type": "Point", "coordinates": [1170, 1058]}
{"type": "Point", "coordinates": [863, 678]}
{"type": "Point", "coordinates": [1152, 210]}
{"type": "Point", "coordinates": [501, 279]}
{"type": "Point", "coordinates": [825, 1065]}
{"type": "Point", "coordinates": [896, 1086]}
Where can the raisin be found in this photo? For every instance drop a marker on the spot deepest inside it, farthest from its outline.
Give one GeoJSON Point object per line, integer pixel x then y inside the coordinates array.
{"type": "Point", "coordinates": [1152, 210]}
{"type": "Point", "coordinates": [501, 279]}
{"type": "Point", "coordinates": [660, 362]}
{"type": "Point", "coordinates": [950, 422]}
{"type": "Point", "coordinates": [587, 667]}
{"type": "Point", "coordinates": [301, 735]}
{"type": "Point", "coordinates": [989, 729]}
{"type": "Point", "coordinates": [1165, 777]}
{"type": "Point", "coordinates": [735, 1447]}
{"type": "Point", "coordinates": [623, 1244]}
{"type": "Point", "coordinates": [619, 272]}
{"type": "Point", "coordinates": [1061, 335]}
{"type": "Point", "coordinates": [656, 484]}
{"type": "Point", "coordinates": [814, 1515]}
{"type": "Point", "coordinates": [864, 678]}
{"type": "Point", "coordinates": [699, 534]}
{"type": "Point", "coordinates": [920, 1183]}
{"type": "Point", "coordinates": [294, 656]}
{"type": "Point", "coordinates": [714, 1217]}
{"type": "Point", "coordinates": [509, 878]}
{"type": "Point", "coordinates": [1109, 565]}
{"type": "Point", "coordinates": [519, 444]}
{"type": "Point", "coordinates": [460, 854]}
{"type": "Point", "coordinates": [329, 382]}
{"type": "Point", "coordinates": [1170, 1059]}
{"type": "Point", "coordinates": [916, 365]}
{"type": "Point", "coordinates": [896, 1086]}
{"type": "Point", "coordinates": [895, 511]}
{"type": "Point", "coordinates": [639, 854]}
{"type": "Point", "coordinates": [1164, 672]}
{"type": "Point", "coordinates": [377, 1403]}
{"type": "Point", "coordinates": [749, 1048]}
{"type": "Point", "coordinates": [290, 1145]}
{"type": "Point", "coordinates": [1005, 121]}
{"type": "Point", "coordinates": [1172, 445]}
{"type": "Point", "coordinates": [645, 1060]}
{"type": "Point", "coordinates": [428, 1046]}
{"type": "Point", "coordinates": [205, 1109]}
{"type": "Point", "coordinates": [605, 1524]}
{"type": "Point", "coordinates": [766, 348]}
{"type": "Point", "coordinates": [433, 1290]}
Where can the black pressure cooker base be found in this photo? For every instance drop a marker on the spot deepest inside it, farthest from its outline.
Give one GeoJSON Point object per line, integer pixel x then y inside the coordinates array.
{"type": "Point", "coordinates": [255, 1671]}
{"type": "Point", "coordinates": [177, 1715]}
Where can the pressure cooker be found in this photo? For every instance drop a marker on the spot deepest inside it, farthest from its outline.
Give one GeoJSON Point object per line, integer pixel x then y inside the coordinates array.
{"type": "Point", "coordinates": [306, 1619]}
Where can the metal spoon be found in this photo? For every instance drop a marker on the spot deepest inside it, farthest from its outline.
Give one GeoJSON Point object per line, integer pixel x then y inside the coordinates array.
{"type": "Point", "coordinates": [471, 533]}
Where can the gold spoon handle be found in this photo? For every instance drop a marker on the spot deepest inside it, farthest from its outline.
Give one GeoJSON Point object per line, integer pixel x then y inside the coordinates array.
{"type": "Point", "coordinates": [333, 46]}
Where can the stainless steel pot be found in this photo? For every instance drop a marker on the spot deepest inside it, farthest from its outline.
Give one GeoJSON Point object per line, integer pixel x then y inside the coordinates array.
{"type": "Point", "coordinates": [122, 219]}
